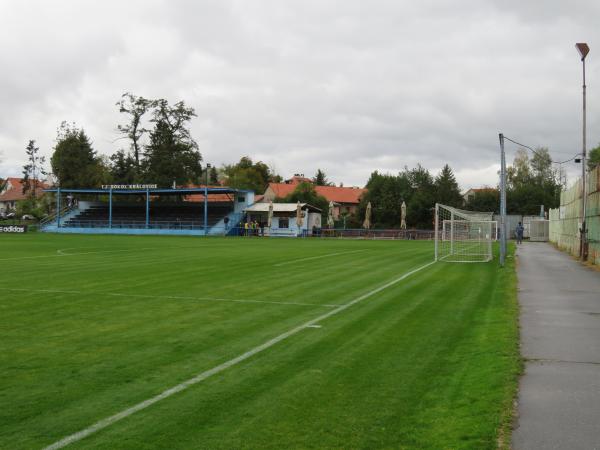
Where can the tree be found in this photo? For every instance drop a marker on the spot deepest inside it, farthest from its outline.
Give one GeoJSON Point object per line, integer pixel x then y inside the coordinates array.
{"type": "Point", "coordinates": [123, 168]}
{"type": "Point", "coordinates": [169, 159]}
{"type": "Point", "coordinates": [386, 193]}
{"type": "Point", "coordinates": [422, 203]}
{"type": "Point", "coordinates": [74, 161]}
{"type": "Point", "coordinates": [175, 119]}
{"type": "Point", "coordinates": [320, 179]}
{"type": "Point", "coordinates": [32, 170]}
{"type": "Point", "coordinates": [594, 157]}
{"type": "Point", "coordinates": [518, 173]}
{"type": "Point", "coordinates": [306, 193]}
{"type": "Point", "coordinates": [249, 175]}
{"type": "Point", "coordinates": [541, 165]}
{"type": "Point", "coordinates": [484, 200]}
{"type": "Point", "coordinates": [213, 176]}
{"type": "Point", "coordinates": [532, 183]}
{"type": "Point", "coordinates": [135, 107]}
{"type": "Point", "coordinates": [446, 187]}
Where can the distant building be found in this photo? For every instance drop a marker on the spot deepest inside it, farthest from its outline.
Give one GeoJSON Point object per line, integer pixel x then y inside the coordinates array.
{"type": "Point", "coordinates": [345, 199]}
{"type": "Point", "coordinates": [470, 194]}
{"type": "Point", "coordinates": [13, 192]}
{"type": "Point", "coordinates": [284, 218]}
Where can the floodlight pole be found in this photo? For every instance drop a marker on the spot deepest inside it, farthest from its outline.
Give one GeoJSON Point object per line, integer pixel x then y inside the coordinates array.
{"type": "Point", "coordinates": [583, 51]}
{"type": "Point", "coordinates": [502, 201]}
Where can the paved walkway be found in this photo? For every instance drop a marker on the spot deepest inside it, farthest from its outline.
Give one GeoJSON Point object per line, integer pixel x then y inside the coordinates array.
{"type": "Point", "coordinates": [559, 397]}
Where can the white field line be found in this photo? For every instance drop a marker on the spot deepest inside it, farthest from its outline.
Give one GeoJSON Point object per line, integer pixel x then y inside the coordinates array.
{"type": "Point", "coordinates": [221, 367]}
{"type": "Point", "coordinates": [293, 261]}
{"type": "Point", "coordinates": [59, 253]}
{"type": "Point", "coordinates": [167, 297]}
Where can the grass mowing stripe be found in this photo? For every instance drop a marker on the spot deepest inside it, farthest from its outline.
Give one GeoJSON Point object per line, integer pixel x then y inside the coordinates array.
{"type": "Point", "coordinates": [167, 297]}
{"type": "Point", "coordinates": [293, 261]}
{"type": "Point", "coordinates": [206, 374]}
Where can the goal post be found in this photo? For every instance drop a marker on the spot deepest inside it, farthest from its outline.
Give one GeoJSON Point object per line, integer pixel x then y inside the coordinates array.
{"type": "Point", "coordinates": [463, 236]}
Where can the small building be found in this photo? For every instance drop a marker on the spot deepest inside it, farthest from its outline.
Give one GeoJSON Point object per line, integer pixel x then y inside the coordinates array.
{"type": "Point", "coordinates": [13, 193]}
{"type": "Point", "coordinates": [283, 222]}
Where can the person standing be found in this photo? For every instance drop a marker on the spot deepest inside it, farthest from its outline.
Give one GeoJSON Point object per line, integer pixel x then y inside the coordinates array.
{"type": "Point", "coordinates": [519, 233]}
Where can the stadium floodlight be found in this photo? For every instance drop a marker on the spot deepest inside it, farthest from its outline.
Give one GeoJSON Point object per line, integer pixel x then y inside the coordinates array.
{"type": "Point", "coordinates": [583, 49]}
{"type": "Point", "coordinates": [463, 236]}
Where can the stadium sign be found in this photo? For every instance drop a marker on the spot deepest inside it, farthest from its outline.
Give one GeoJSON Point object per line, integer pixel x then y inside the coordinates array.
{"type": "Point", "coordinates": [129, 186]}
{"type": "Point", "coordinates": [13, 229]}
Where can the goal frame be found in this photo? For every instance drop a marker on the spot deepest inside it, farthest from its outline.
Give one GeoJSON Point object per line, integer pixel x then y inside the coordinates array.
{"type": "Point", "coordinates": [463, 236]}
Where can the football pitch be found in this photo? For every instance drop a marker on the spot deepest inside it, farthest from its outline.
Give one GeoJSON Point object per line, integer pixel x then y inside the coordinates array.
{"type": "Point", "coordinates": [148, 342]}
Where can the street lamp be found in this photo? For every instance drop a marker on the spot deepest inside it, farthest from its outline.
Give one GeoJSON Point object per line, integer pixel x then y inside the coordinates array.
{"type": "Point", "coordinates": [583, 49]}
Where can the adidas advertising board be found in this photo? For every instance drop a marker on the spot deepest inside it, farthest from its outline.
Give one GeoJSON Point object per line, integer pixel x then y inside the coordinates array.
{"type": "Point", "coordinates": [13, 228]}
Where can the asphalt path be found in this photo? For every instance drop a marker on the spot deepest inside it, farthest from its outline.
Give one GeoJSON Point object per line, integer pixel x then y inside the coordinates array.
{"type": "Point", "coordinates": [559, 395]}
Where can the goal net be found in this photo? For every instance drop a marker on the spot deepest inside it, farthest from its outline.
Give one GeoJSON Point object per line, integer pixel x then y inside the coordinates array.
{"type": "Point", "coordinates": [463, 236]}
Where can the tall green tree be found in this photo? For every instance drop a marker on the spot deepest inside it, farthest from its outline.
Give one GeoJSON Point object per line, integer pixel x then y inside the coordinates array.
{"type": "Point", "coordinates": [446, 188]}
{"type": "Point", "coordinates": [247, 174]}
{"type": "Point", "coordinates": [74, 162]}
{"type": "Point", "coordinates": [32, 170]}
{"type": "Point", "coordinates": [169, 158]}
{"type": "Point", "coordinates": [175, 119]}
{"type": "Point", "coordinates": [487, 200]}
{"type": "Point", "coordinates": [594, 157]}
{"type": "Point", "coordinates": [386, 193]}
{"type": "Point", "coordinates": [135, 108]}
{"type": "Point", "coordinates": [421, 207]}
{"type": "Point", "coordinates": [213, 176]}
{"type": "Point", "coordinates": [532, 182]}
{"type": "Point", "coordinates": [123, 168]}
{"type": "Point", "coordinates": [320, 179]}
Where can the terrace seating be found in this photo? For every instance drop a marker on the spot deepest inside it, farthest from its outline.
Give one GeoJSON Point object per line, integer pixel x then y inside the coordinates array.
{"type": "Point", "coordinates": [184, 215]}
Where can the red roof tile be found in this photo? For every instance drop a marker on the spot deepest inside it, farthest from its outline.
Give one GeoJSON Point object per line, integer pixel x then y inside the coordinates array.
{"type": "Point", "coordinates": [14, 191]}
{"type": "Point", "coordinates": [331, 193]}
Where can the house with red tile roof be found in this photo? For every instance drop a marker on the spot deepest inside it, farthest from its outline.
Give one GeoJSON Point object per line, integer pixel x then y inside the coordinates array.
{"type": "Point", "coordinates": [13, 192]}
{"type": "Point", "coordinates": [345, 199]}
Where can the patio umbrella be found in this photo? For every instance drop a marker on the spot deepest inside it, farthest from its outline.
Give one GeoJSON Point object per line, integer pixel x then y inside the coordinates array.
{"type": "Point", "coordinates": [270, 216]}
{"type": "Point", "coordinates": [299, 220]}
{"type": "Point", "coordinates": [367, 222]}
{"type": "Point", "coordinates": [403, 216]}
{"type": "Point", "coordinates": [330, 222]}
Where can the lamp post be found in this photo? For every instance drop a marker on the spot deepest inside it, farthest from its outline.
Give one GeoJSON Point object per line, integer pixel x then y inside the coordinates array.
{"type": "Point", "coordinates": [583, 49]}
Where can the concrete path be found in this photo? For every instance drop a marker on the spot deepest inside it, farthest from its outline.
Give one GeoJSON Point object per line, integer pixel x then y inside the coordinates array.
{"type": "Point", "coordinates": [559, 397]}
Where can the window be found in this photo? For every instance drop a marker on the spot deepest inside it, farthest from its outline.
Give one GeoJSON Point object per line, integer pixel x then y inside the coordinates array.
{"type": "Point", "coordinates": [284, 222]}
{"type": "Point", "coordinates": [241, 199]}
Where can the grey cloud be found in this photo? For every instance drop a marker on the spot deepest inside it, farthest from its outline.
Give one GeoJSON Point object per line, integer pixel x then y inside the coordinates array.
{"type": "Point", "coordinates": [347, 86]}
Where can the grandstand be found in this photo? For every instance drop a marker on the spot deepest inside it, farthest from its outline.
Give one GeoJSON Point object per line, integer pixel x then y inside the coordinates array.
{"type": "Point", "coordinates": [197, 211]}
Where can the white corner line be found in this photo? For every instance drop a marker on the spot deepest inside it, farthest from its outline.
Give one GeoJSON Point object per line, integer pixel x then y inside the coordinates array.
{"type": "Point", "coordinates": [221, 367]}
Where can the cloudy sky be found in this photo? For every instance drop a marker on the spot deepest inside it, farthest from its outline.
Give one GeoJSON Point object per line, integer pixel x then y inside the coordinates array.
{"type": "Point", "coordinates": [347, 86]}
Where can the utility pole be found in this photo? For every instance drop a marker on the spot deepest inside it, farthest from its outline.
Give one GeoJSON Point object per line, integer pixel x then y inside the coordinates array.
{"type": "Point", "coordinates": [583, 51]}
{"type": "Point", "coordinates": [502, 201]}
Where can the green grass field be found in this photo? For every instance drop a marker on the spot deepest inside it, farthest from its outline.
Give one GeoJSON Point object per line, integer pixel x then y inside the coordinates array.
{"type": "Point", "coordinates": [93, 325]}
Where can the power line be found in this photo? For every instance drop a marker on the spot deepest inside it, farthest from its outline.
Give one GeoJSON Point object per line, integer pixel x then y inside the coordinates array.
{"type": "Point", "coordinates": [537, 153]}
